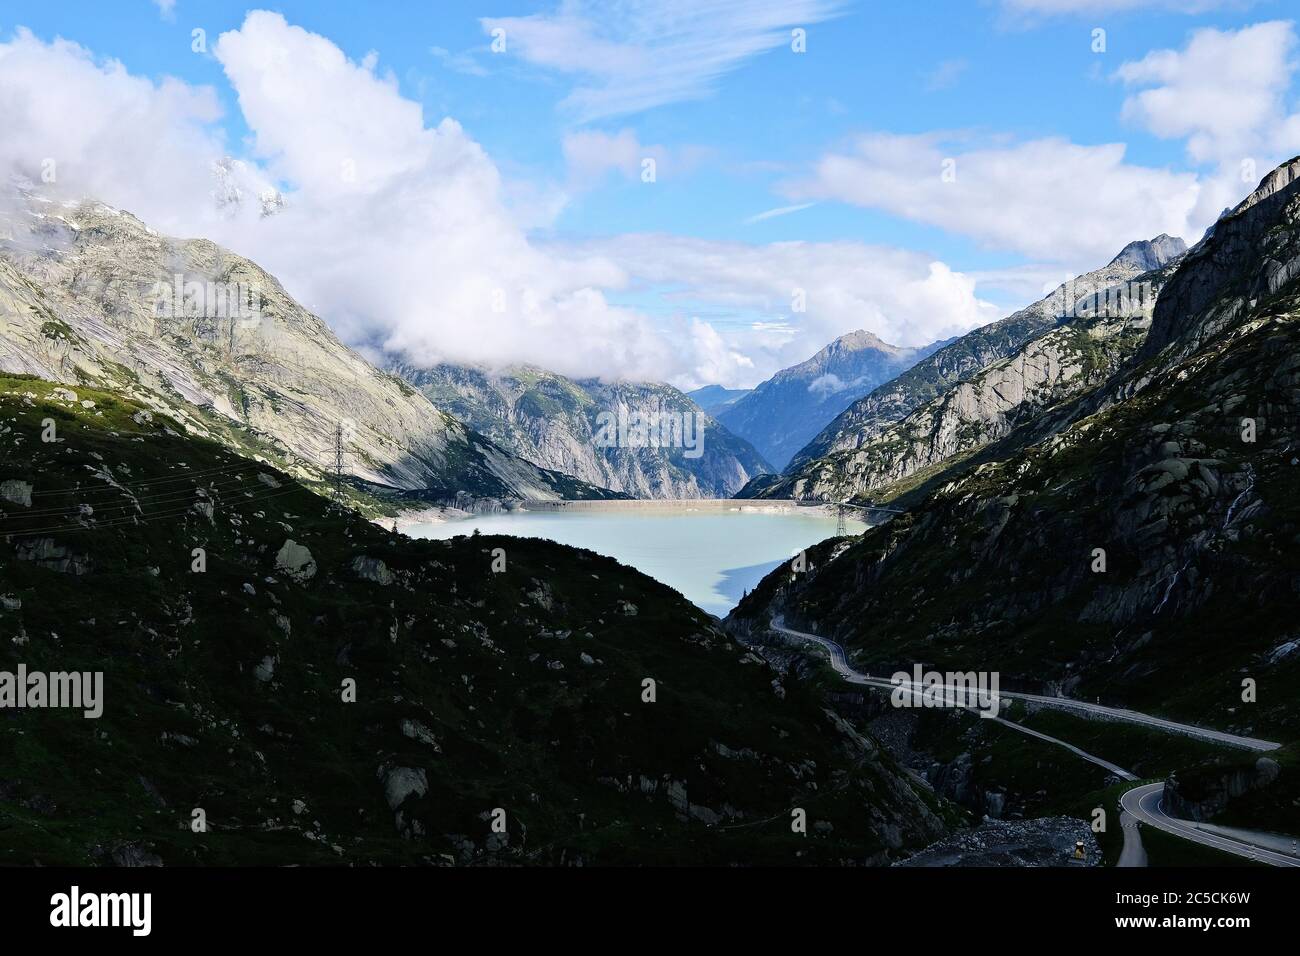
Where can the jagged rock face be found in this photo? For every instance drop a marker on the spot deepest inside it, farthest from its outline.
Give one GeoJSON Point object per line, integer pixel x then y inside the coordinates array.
{"type": "Point", "coordinates": [1243, 262]}
{"type": "Point", "coordinates": [1150, 254]}
{"type": "Point", "coordinates": [783, 414]}
{"type": "Point", "coordinates": [556, 422]}
{"type": "Point", "coordinates": [1143, 549]}
{"type": "Point", "coordinates": [932, 376]}
{"type": "Point", "coordinates": [89, 294]}
{"type": "Point", "coordinates": [1073, 358]}
{"type": "Point", "coordinates": [1204, 792]}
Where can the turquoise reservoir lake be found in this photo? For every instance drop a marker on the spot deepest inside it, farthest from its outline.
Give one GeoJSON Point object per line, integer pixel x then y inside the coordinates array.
{"type": "Point", "coordinates": [712, 552]}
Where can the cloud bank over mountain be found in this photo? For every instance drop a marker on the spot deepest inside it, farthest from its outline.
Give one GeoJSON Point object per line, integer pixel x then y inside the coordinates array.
{"type": "Point", "coordinates": [404, 235]}
{"type": "Point", "coordinates": [399, 233]}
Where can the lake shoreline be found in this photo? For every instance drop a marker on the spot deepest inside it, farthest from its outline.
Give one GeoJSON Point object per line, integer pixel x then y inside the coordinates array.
{"type": "Point", "coordinates": [666, 506]}
{"type": "Point", "coordinates": [674, 506]}
{"type": "Point", "coordinates": [711, 551]}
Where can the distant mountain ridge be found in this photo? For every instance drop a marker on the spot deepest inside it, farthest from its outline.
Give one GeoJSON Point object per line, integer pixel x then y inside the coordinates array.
{"type": "Point", "coordinates": [1099, 328]}
{"type": "Point", "coordinates": [714, 398]}
{"type": "Point", "coordinates": [782, 414]}
{"type": "Point", "coordinates": [558, 423]}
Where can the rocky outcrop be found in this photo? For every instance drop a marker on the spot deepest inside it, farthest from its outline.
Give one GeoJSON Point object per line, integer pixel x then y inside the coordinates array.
{"type": "Point", "coordinates": [1244, 262]}
{"type": "Point", "coordinates": [296, 561]}
{"type": "Point", "coordinates": [16, 492]}
{"type": "Point", "coordinates": [372, 569]}
{"type": "Point", "coordinates": [1204, 793]}
{"type": "Point", "coordinates": [45, 553]}
{"type": "Point", "coordinates": [1047, 841]}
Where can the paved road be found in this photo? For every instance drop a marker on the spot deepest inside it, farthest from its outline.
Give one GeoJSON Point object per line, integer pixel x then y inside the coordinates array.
{"type": "Point", "coordinates": [842, 668]}
{"type": "Point", "coordinates": [1146, 804]}
{"type": "Point", "coordinates": [840, 662]}
{"type": "Point", "coordinates": [1134, 853]}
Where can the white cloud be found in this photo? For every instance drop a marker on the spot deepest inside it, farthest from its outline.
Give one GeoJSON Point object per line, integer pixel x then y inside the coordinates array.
{"type": "Point", "coordinates": [397, 233]}
{"type": "Point", "coordinates": [400, 233]}
{"type": "Point", "coordinates": [166, 8]}
{"type": "Point", "coordinates": [906, 298]}
{"type": "Point", "coordinates": [638, 54]}
{"type": "Point", "coordinates": [1225, 92]}
{"type": "Point", "coordinates": [1048, 199]}
{"type": "Point", "coordinates": [99, 128]}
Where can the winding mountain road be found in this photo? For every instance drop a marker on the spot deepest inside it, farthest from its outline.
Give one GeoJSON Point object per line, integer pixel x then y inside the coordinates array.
{"type": "Point", "coordinates": [840, 662]}
{"type": "Point", "coordinates": [1144, 804]}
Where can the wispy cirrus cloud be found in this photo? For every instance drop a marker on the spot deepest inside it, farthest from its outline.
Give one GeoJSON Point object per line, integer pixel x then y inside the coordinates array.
{"type": "Point", "coordinates": [637, 54]}
{"type": "Point", "coordinates": [778, 211]}
{"type": "Point", "coordinates": [945, 75]}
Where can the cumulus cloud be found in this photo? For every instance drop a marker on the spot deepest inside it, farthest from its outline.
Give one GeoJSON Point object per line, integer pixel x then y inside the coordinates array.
{"type": "Point", "coordinates": [1225, 93]}
{"type": "Point", "coordinates": [1049, 198]}
{"type": "Point", "coordinates": [400, 232]}
{"type": "Point", "coordinates": [396, 232]}
{"type": "Point", "coordinates": [786, 300]}
{"type": "Point", "coordinates": [638, 54]}
{"type": "Point", "coordinates": [87, 127]}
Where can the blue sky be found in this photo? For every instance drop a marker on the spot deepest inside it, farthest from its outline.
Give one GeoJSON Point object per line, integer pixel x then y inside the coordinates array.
{"type": "Point", "coordinates": [568, 110]}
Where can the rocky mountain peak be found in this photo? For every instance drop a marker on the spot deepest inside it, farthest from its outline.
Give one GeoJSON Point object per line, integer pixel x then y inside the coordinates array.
{"type": "Point", "coordinates": [860, 339]}
{"type": "Point", "coordinates": [1281, 177]}
{"type": "Point", "coordinates": [1251, 254]}
{"type": "Point", "coordinates": [1148, 254]}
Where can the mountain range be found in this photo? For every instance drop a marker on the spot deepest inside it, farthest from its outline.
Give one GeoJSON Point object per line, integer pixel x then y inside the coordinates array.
{"type": "Point", "coordinates": [89, 295]}
{"type": "Point", "coordinates": [1126, 529]}
{"type": "Point", "coordinates": [782, 415]}
{"type": "Point", "coordinates": [980, 386]}
{"type": "Point", "coordinates": [1097, 497]}
{"type": "Point", "coordinates": [555, 422]}
{"type": "Point", "coordinates": [714, 398]}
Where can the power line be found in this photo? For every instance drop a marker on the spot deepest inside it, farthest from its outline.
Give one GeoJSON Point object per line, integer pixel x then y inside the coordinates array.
{"type": "Point", "coordinates": [141, 519]}
{"type": "Point", "coordinates": [173, 494]}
